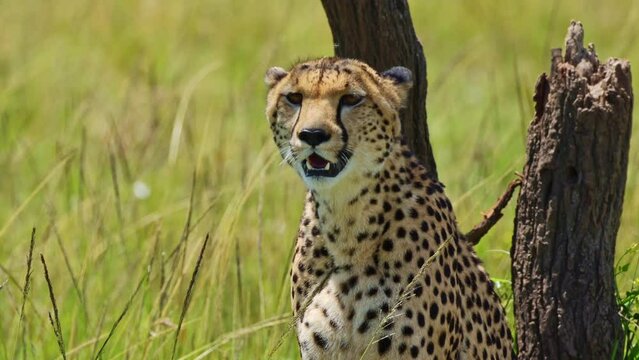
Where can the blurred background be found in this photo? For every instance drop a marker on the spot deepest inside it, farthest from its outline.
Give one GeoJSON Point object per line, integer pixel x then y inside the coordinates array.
{"type": "Point", "coordinates": [129, 129]}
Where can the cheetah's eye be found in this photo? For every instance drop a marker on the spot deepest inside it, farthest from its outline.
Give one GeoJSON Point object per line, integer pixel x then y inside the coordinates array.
{"type": "Point", "coordinates": [351, 99]}
{"type": "Point", "coordinates": [294, 98]}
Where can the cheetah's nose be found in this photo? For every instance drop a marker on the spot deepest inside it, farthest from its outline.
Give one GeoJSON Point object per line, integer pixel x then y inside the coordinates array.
{"type": "Point", "coordinates": [313, 136]}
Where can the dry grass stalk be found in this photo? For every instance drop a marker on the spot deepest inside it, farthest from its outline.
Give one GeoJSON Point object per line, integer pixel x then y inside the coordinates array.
{"type": "Point", "coordinates": [403, 297]}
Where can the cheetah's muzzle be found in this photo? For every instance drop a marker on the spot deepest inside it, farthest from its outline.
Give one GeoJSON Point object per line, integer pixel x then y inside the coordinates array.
{"type": "Point", "coordinates": [317, 166]}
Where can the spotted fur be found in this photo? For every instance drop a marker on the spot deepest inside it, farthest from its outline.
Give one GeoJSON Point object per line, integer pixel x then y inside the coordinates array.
{"type": "Point", "coordinates": [375, 228]}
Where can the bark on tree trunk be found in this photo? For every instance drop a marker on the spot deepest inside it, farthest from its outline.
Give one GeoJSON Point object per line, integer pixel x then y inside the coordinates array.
{"type": "Point", "coordinates": [569, 207]}
{"type": "Point", "coordinates": [381, 33]}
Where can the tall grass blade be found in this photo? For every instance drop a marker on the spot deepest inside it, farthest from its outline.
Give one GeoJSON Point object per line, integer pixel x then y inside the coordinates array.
{"type": "Point", "coordinates": [118, 203]}
{"type": "Point", "coordinates": [178, 123]}
{"type": "Point", "coordinates": [25, 291]}
{"type": "Point", "coordinates": [122, 315]}
{"type": "Point", "coordinates": [189, 294]}
{"type": "Point", "coordinates": [179, 248]}
{"type": "Point", "coordinates": [35, 191]}
{"type": "Point", "coordinates": [55, 320]}
{"type": "Point", "coordinates": [67, 262]}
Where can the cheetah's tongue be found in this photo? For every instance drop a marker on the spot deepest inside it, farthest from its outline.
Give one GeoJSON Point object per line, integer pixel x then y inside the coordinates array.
{"type": "Point", "coordinates": [317, 162]}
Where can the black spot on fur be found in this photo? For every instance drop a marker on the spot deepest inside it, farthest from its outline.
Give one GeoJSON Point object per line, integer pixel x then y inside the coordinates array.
{"type": "Point", "coordinates": [387, 245]}
{"type": "Point", "coordinates": [320, 341]}
{"type": "Point", "coordinates": [383, 345]}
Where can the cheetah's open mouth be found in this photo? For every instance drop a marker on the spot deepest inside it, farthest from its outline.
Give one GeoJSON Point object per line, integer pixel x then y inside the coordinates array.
{"type": "Point", "coordinates": [316, 165]}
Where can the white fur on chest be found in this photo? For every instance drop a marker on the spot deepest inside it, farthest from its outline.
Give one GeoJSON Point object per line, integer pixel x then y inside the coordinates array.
{"type": "Point", "coordinates": [340, 316]}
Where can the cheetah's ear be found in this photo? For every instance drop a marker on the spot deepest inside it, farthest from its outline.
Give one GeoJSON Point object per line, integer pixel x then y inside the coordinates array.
{"type": "Point", "coordinates": [274, 75]}
{"type": "Point", "coordinates": [402, 78]}
{"type": "Point", "coordinates": [399, 75]}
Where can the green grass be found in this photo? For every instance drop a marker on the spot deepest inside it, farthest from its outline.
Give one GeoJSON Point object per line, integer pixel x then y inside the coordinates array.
{"type": "Point", "coordinates": [92, 91]}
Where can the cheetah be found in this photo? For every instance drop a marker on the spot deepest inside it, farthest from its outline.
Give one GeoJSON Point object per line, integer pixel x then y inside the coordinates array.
{"type": "Point", "coordinates": [380, 269]}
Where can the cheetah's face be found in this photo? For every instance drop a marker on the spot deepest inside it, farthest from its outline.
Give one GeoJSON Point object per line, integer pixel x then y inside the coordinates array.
{"type": "Point", "coordinates": [334, 117]}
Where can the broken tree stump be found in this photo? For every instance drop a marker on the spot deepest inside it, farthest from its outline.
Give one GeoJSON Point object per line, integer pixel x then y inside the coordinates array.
{"type": "Point", "coordinates": [569, 207]}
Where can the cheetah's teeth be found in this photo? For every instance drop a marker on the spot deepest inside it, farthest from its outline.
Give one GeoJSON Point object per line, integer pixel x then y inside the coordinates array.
{"type": "Point", "coordinates": [326, 167]}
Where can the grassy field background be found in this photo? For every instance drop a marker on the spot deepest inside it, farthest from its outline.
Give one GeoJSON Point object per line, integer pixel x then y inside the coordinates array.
{"type": "Point", "coordinates": [120, 118]}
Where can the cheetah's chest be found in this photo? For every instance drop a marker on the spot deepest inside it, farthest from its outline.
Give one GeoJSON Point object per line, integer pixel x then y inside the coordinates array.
{"type": "Point", "coordinates": [357, 312]}
{"type": "Point", "coordinates": [345, 315]}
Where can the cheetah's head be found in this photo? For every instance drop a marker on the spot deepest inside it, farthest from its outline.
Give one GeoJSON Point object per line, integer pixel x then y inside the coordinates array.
{"type": "Point", "coordinates": [332, 117]}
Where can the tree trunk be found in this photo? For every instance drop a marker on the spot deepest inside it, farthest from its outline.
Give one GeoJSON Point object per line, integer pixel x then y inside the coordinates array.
{"type": "Point", "coordinates": [569, 208]}
{"type": "Point", "coordinates": [381, 33]}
